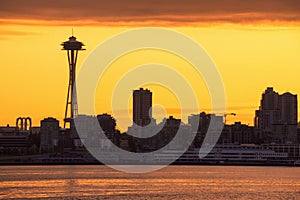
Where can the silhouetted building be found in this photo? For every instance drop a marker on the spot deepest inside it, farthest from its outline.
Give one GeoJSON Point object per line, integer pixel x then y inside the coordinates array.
{"type": "Point", "coordinates": [49, 134]}
{"type": "Point", "coordinates": [173, 127]}
{"type": "Point", "coordinates": [13, 142]}
{"type": "Point", "coordinates": [169, 129]}
{"type": "Point", "coordinates": [203, 121]}
{"type": "Point", "coordinates": [288, 107]}
{"type": "Point", "coordinates": [276, 119]}
{"type": "Point", "coordinates": [154, 137]}
{"type": "Point", "coordinates": [142, 103]}
{"type": "Point", "coordinates": [171, 122]}
{"type": "Point", "coordinates": [237, 133]}
{"type": "Point", "coordinates": [269, 112]}
{"type": "Point", "coordinates": [140, 138]}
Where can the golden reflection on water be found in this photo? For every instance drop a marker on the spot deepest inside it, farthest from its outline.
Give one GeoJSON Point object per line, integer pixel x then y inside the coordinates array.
{"type": "Point", "coordinates": [173, 182]}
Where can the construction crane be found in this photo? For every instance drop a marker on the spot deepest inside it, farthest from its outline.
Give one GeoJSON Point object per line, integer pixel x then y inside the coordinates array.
{"type": "Point", "coordinates": [226, 114]}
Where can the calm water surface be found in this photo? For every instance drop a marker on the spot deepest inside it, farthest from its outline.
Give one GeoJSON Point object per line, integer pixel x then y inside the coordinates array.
{"type": "Point", "coordinates": [173, 182]}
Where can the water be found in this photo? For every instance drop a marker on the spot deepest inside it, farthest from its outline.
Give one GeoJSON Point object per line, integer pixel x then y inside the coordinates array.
{"type": "Point", "coordinates": [173, 182]}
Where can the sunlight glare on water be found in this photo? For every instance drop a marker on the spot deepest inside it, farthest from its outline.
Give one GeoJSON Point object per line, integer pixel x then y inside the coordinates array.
{"type": "Point", "coordinates": [173, 182]}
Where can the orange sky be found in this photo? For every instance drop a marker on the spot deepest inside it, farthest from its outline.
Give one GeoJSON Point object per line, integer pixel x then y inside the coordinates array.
{"type": "Point", "coordinates": [254, 45]}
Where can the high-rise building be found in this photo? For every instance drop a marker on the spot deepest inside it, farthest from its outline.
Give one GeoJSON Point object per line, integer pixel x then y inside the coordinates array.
{"type": "Point", "coordinates": [269, 112]}
{"type": "Point", "coordinates": [276, 119]}
{"type": "Point", "coordinates": [142, 103]}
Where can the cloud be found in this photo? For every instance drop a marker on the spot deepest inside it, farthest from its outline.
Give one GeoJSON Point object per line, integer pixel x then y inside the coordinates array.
{"type": "Point", "coordinates": [6, 34]}
{"type": "Point", "coordinates": [124, 12]}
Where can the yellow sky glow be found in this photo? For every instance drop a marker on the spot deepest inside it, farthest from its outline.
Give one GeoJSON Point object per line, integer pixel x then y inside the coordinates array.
{"type": "Point", "coordinates": [34, 71]}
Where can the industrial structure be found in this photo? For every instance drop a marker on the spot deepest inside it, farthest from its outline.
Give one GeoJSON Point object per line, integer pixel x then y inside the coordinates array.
{"type": "Point", "coordinates": [23, 123]}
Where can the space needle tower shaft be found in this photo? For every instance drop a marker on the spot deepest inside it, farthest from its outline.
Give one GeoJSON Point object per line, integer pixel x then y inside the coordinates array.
{"type": "Point", "coordinates": [72, 46]}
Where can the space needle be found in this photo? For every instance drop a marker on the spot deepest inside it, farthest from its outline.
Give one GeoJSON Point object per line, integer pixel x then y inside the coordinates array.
{"type": "Point", "coordinates": [72, 46]}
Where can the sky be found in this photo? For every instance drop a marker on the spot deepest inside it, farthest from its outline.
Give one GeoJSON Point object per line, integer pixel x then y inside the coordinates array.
{"type": "Point", "coordinates": [255, 44]}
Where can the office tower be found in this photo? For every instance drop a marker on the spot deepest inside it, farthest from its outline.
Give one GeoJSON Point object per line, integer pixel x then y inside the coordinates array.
{"type": "Point", "coordinates": [276, 119]}
{"type": "Point", "coordinates": [142, 103]}
{"type": "Point", "coordinates": [269, 112]}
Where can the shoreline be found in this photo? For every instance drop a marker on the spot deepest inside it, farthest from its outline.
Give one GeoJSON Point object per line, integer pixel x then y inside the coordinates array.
{"type": "Point", "coordinates": [172, 164]}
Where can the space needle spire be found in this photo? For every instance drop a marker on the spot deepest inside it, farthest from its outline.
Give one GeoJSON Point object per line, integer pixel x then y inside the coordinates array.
{"type": "Point", "coordinates": [72, 46]}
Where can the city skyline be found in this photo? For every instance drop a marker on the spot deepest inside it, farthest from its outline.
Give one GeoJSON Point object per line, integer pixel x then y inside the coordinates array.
{"type": "Point", "coordinates": [251, 50]}
{"type": "Point", "coordinates": [273, 140]}
{"type": "Point", "coordinates": [277, 109]}
{"type": "Point", "coordinates": [158, 99]}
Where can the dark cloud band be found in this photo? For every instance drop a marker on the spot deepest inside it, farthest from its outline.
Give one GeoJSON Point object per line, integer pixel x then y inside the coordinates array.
{"type": "Point", "coordinates": [169, 11]}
